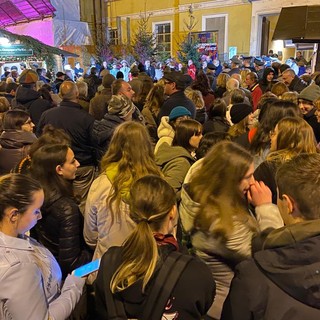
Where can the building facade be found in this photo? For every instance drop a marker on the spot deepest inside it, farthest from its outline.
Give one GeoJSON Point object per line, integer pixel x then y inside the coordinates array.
{"type": "Point", "coordinates": [240, 26]}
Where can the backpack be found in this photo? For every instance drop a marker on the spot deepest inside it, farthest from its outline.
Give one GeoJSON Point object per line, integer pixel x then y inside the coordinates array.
{"type": "Point", "coordinates": [165, 281]}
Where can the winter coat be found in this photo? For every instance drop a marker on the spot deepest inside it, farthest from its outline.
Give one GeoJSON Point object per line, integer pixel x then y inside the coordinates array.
{"type": "Point", "coordinates": [14, 146]}
{"type": "Point", "coordinates": [201, 115]}
{"type": "Point", "coordinates": [281, 281]}
{"type": "Point", "coordinates": [311, 118]}
{"type": "Point", "coordinates": [208, 100]}
{"type": "Point", "coordinates": [222, 256]}
{"type": "Point", "coordinates": [99, 104]}
{"type": "Point", "coordinates": [190, 299]}
{"type": "Point", "coordinates": [175, 162]}
{"type": "Point", "coordinates": [151, 123]}
{"type": "Point", "coordinates": [175, 100]}
{"type": "Point", "coordinates": [256, 94]}
{"type": "Point", "coordinates": [31, 101]}
{"type": "Point", "coordinates": [93, 83]}
{"type": "Point", "coordinates": [84, 103]}
{"type": "Point", "coordinates": [217, 124]}
{"type": "Point", "coordinates": [165, 133]}
{"type": "Point", "coordinates": [61, 231]}
{"type": "Point", "coordinates": [99, 231]}
{"type": "Point", "coordinates": [297, 84]}
{"type": "Point", "coordinates": [103, 131]}
{"type": "Point", "coordinates": [36, 275]}
{"type": "Point", "coordinates": [78, 124]}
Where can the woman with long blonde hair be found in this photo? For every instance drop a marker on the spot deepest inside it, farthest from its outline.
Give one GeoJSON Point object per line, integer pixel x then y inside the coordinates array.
{"type": "Point", "coordinates": [128, 275]}
{"type": "Point", "coordinates": [215, 214]}
{"type": "Point", "coordinates": [291, 136]}
{"type": "Point", "coordinates": [129, 157]}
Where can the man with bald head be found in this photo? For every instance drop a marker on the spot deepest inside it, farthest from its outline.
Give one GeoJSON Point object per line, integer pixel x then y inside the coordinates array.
{"type": "Point", "coordinates": [78, 124]}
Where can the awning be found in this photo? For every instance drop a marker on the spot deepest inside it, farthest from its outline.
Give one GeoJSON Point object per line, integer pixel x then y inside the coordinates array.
{"type": "Point", "coordinates": [300, 24]}
{"type": "Point", "coordinates": [19, 11]}
{"type": "Point", "coordinates": [38, 47]}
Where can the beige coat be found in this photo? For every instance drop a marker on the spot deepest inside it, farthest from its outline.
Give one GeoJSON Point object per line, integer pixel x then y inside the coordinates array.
{"type": "Point", "coordinates": [99, 232]}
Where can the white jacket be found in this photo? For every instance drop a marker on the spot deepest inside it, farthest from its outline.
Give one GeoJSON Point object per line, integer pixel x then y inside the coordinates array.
{"type": "Point", "coordinates": [30, 282]}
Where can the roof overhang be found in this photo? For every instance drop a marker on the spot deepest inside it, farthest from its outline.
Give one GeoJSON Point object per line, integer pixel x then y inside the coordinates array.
{"type": "Point", "coordinates": [29, 42]}
{"type": "Point", "coordinates": [300, 24]}
{"type": "Point", "coordinates": [20, 11]}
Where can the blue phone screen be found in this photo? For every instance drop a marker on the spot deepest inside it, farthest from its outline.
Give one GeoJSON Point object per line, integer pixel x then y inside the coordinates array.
{"type": "Point", "coordinates": [87, 268]}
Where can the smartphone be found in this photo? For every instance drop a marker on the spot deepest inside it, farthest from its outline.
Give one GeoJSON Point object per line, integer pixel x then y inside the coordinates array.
{"type": "Point", "coordinates": [87, 268]}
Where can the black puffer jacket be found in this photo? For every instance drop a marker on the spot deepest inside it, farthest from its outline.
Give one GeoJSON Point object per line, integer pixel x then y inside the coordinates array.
{"type": "Point", "coordinates": [31, 101]}
{"type": "Point", "coordinates": [60, 230]}
{"type": "Point", "coordinates": [14, 146]}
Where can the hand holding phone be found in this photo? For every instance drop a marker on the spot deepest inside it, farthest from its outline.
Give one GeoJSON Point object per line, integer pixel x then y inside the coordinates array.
{"type": "Point", "coordinates": [87, 268]}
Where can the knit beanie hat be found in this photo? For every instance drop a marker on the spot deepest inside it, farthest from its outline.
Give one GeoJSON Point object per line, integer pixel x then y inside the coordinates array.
{"type": "Point", "coordinates": [107, 80]}
{"type": "Point", "coordinates": [120, 106]}
{"type": "Point", "coordinates": [28, 76]}
{"type": "Point", "coordinates": [179, 112]}
{"type": "Point", "coordinates": [310, 93]}
{"type": "Point", "coordinates": [239, 111]}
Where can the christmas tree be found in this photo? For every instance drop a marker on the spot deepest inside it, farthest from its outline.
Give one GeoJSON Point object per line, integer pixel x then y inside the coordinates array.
{"type": "Point", "coordinates": [144, 45]}
{"type": "Point", "coordinates": [188, 51]}
{"type": "Point", "coordinates": [188, 46]}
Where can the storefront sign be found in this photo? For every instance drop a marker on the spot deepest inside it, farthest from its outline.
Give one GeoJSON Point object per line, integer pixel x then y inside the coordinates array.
{"type": "Point", "coordinates": [15, 50]}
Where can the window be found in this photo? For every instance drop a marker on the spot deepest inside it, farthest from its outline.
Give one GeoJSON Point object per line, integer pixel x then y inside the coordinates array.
{"type": "Point", "coordinates": [114, 38]}
{"type": "Point", "coordinates": [163, 37]}
{"type": "Point", "coordinates": [218, 23]}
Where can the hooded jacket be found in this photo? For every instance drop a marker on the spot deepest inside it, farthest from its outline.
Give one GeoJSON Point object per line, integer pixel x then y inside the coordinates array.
{"type": "Point", "coordinates": [14, 146]}
{"type": "Point", "coordinates": [175, 162]}
{"type": "Point", "coordinates": [31, 101]}
{"type": "Point", "coordinates": [165, 133]}
{"type": "Point", "coordinates": [282, 281]}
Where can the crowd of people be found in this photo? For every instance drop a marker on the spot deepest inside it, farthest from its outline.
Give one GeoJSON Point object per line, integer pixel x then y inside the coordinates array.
{"type": "Point", "coordinates": [198, 190]}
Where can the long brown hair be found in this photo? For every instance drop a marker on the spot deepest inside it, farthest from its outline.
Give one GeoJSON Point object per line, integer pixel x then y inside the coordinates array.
{"type": "Point", "coordinates": [131, 149]}
{"type": "Point", "coordinates": [294, 136]}
{"type": "Point", "coordinates": [152, 198]}
{"type": "Point", "coordinates": [216, 188]}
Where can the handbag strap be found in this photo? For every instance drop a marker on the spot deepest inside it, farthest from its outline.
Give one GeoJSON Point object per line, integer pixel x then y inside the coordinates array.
{"type": "Point", "coordinates": [168, 275]}
{"type": "Point", "coordinates": [115, 307]}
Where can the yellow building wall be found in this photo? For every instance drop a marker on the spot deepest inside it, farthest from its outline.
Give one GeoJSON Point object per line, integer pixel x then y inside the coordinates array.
{"type": "Point", "coordinates": [239, 19]}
